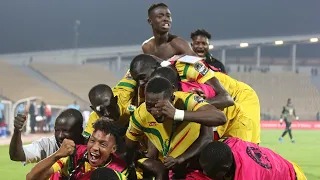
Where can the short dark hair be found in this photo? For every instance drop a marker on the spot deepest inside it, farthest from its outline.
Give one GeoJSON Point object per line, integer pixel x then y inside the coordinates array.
{"type": "Point", "coordinates": [75, 114]}
{"type": "Point", "coordinates": [143, 61]}
{"type": "Point", "coordinates": [169, 73]}
{"type": "Point", "coordinates": [200, 32]}
{"type": "Point", "coordinates": [153, 6]}
{"type": "Point", "coordinates": [99, 89]}
{"type": "Point", "coordinates": [104, 173]}
{"type": "Point", "coordinates": [214, 154]}
{"type": "Point", "coordinates": [108, 126]}
{"type": "Point", "coordinates": [159, 85]}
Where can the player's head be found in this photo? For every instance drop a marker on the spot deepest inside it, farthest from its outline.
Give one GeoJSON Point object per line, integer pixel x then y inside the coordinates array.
{"type": "Point", "coordinates": [142, 66]}
{"type": "Point", "coordinates": [103, 102]}
{"type": "Point", "coordinates": [159, 17]}
{"type": "Point", "coordinates": [200, 42]}
{"type": "Point", "coordinates": [289, 101]}
{"type": "Point", "coordinates": [102, 142]}
{"type": "Point", "coordinates": [169, 73]}
{"type": "Point", "coordinates": [106, 174]}
{"type": "Point", "coordinates": [216, 159]}
{"type": "Point", "coordinates": [69, 125]}
{"type": "Point", "coordinates": [157, 89]}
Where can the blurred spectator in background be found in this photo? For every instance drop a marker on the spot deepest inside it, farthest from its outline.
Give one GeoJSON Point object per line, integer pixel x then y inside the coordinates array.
{"type": "Point", "coordinates": [3, 129]}
{"type": "Point", "coordinates": [32, 113]}
{"type": "Point", "coordinates": [200, 45]}
{"type": "Point", "coordinates": [48, 114]}
{"type": "Point", "coordinates": [318, 116]}
{"type": "Point", "coordinates": [74, 105]}
{"type": "Point", "coordinates": [20, 108]}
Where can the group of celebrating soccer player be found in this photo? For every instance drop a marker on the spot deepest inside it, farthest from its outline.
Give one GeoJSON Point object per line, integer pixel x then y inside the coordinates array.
{"type": "Point", "coordinates": [174, 115]}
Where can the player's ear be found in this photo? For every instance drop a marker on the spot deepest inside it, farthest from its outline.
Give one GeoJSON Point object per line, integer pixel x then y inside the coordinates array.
{"type": "Point", "coordinates": [149, 21]}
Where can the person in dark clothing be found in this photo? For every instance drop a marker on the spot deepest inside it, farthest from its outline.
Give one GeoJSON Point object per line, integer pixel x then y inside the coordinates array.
{"type": "Point", "coordinates": [200, 45]}
{"type": "Point", "coordinates": [288, 114]}
{"type": "Point", "coordinates": [32, 113]}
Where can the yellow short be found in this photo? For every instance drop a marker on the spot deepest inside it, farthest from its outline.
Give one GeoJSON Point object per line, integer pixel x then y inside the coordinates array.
{"type": "Point", "coordinates": [249, 101]}
{"type": "Point", "coordinates": [237, 125]}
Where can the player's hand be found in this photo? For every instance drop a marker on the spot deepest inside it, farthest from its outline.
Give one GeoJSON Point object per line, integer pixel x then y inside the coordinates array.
{"type": "Point", "coordinates": [281, 120]}
{"type": "Point", "coordinates": [198, 92]}
{"type": "Point", "coordinates": [297, 118]}
{"type": "Point", "coordinates": [170, 162]}
{"type": "Point", "coordinates": [19, 121]}
{"type": "Point", "coordinates": [166, 108]}
{"type": "Point", "coordinates": [67, 148]}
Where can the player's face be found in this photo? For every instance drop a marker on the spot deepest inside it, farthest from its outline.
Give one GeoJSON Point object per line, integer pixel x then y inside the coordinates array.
{"type": "Point", "coordinates": [64, 128]}
{"type": "Point", "coordinates": [141, 76]}
{"type": "Point", "coordinates": [160, 19]}
{"type": "Point", "coordinates": [200, 45]}
{"type": "Point", "coordinates": [151, 100]}
{"type": "Point", "coordinates": [106, 106]}
{"type": "Point", "coordinates": [99, 147]}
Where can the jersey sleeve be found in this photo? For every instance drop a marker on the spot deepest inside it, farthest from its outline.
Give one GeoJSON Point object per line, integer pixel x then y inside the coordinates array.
{"type": "Point", "coordinates": [60, 165]}
{"type": "Point", "coordinates": [127, 83]}
{"type": "Point", "coordinates": [193, 102]}
{"type": "Point", "coordinates": [135, 129]}
{"type": "Point", "coordinates": [39, 150]}
{"type": "Point", "coordinates": [89, 127]}
{"type": "Point", "coordinates": [199, 72]}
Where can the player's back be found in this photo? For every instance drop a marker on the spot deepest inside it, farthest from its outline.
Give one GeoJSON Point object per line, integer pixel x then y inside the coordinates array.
{"type": "Point", "coordinates": [255, 162]}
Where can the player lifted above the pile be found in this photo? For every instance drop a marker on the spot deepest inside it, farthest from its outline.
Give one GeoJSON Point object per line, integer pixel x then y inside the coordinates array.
{"type": "Point", "coordinates": [165, 45]}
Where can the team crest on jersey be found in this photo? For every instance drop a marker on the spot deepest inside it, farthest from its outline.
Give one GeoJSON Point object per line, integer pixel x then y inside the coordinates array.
{"type": "Point", "coordinates": [201, 68]}
{"type": "Point", "coordinates": [198, 99]}
{"type": "Point", "coordinates": [259, 157]}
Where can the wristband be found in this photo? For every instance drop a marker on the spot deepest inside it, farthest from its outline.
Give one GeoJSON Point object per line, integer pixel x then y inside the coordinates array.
{"type": "Point", "coordinates": [179, 115]}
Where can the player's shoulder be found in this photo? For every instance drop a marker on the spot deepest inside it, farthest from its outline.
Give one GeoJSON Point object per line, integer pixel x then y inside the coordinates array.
{"type": "Point", "coordinates": [148, 43]}
{"type": "Point", "coordinates": [141, 110]}
{"type": "Point", "coordinates": [177, 41]}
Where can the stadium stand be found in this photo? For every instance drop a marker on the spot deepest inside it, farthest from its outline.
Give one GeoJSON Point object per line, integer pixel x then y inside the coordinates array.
{"type": "Point", "coordinates": [78, 79]}
{"type": "Point", "coordinates": [274, 89]}
{"type": "Point", "coordinates": [16, 84]}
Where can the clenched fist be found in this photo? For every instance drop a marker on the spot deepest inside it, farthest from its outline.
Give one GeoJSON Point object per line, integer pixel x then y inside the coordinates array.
{"type": "Point", "coordinates": [67, 148]}
{"type": "Point", "coordinates": [166, 108]}
{"type": "Point", "coordinates": [19, 121]}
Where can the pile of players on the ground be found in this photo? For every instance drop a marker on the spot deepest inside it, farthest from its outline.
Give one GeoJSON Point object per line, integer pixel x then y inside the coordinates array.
{"type": "Point", "coordinates": [172, 116]}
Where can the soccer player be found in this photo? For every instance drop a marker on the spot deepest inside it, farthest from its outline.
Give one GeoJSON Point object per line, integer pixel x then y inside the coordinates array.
{"type": "Point", "coordinates": [99, 152]}
{"type": "Point", "coordinates": [236, 159]}
{"type": "Point", "coordinates": [68, 125]}
{"type": "Point", "coordinates": [171, 120]}
{"type": "Point", "coordinates": [113, 103]}
{"type": "Point", "coordinates": [200, 45]}
{"type": "Point", "coordinates": [288, 114]}
{"type": "Point", "coordinates": [163, 44]}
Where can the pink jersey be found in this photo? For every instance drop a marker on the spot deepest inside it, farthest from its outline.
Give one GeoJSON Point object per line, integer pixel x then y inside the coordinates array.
{"type": "Point", "coordinates": [254, 162]}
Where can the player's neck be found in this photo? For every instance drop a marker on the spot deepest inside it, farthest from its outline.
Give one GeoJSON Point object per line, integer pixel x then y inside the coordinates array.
{"type": "Point", "coordinates": [160, 38]}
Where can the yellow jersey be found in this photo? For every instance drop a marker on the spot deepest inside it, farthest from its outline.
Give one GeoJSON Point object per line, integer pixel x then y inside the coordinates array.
{"type": "Point", "coordinates": [125, 93]}
{"type": "Point", "coordinates": [169, 138]}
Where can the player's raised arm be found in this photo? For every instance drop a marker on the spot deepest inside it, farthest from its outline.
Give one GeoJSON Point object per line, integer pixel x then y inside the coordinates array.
{"type": "Point", "coordinates": [16, 150]}
{"type": "Point", "coordinates": [222, 98]}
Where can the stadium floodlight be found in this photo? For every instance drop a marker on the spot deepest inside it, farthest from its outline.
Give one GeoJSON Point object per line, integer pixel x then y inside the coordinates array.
{"type": "Point", "coordinates": [243, 45]}
{"type": "Point", "coordinates": [314, 40]}
{"type": "Point", "coordinates": [278, 42]}
{"type": "Point", "coordinates": [211, 46]}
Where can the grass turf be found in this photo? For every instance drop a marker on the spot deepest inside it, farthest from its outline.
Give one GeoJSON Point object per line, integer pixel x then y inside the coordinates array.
{"type": "Point", "coordinates": [304, 153]}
